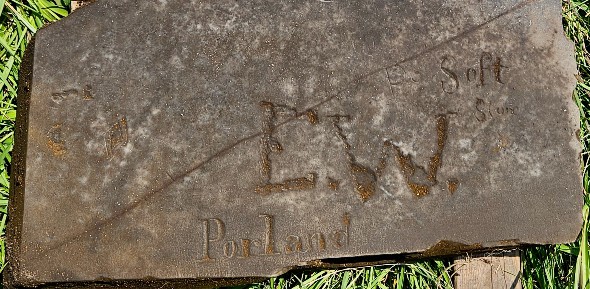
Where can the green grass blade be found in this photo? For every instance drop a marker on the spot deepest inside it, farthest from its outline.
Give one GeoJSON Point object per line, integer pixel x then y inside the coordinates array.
{"type": "Point", "coordinates": [5, 45]}
{"type": "Point", "coordinates": [21, 18]}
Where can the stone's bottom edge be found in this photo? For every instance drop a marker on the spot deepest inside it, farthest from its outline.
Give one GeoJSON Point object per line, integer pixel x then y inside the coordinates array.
{"type": "Point", "coordinates": [441, 249]}
{"type": "Point", "coordinates": [147, 283]}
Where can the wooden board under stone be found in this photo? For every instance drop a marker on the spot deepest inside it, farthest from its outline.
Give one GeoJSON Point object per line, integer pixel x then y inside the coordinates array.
{"type": "Point", "coordinates": [495, 270]}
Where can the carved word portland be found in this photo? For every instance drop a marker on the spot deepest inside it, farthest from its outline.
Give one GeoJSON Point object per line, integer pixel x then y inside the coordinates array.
{"type": "Point", "coordinates": [217, 245]}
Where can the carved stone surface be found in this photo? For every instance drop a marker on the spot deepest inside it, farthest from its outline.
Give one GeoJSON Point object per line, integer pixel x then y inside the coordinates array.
{"type": "Point", "coordinates": [191, 140]}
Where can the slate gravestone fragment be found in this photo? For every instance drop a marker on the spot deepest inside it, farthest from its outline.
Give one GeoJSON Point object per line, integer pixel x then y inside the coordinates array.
{"type": "Point", "coordinates": [210, 143]}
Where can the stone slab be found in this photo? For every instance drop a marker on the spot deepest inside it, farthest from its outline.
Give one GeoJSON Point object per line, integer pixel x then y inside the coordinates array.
{"type": "Point", "coordinates": [205, 142]}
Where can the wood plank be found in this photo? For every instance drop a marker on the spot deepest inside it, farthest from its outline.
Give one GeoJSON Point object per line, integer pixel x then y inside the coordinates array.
{"type": "Point", "coordinates": [497, 270]}
{"type": "Point", "coordinates": [78, 4]}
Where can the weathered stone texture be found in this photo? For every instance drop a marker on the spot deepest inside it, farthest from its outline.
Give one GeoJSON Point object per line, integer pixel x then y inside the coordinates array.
{"type": "Point", "coordinates": [223, 139]}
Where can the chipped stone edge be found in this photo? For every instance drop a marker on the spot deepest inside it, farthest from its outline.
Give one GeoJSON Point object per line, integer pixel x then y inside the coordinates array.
{"type": "Point", "coordinates": [13, 274]}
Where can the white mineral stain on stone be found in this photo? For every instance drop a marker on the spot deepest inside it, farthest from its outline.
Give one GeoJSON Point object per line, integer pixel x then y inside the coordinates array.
{"type": "Point", "coordinates": [83, 179]}
{"type": "Point", "coordinates": [213, 27]}
{"type": "Point", "coordinates": [85, 56]}
{"type": "Point", "coordinates": [142, 177]}
{"type": "Point", "coordinates": [156, 111]}
{"type": "Point", "coordinates": [229, 24]}
{"type": "Point", "coordinates": [315, 162]}
{"type": "Point", "coordinates": [161, 5]}
{"type": "Point", "coordinates": [334, 81]}
{"type": "Point", "coordinates": [310, 85]}
{"type": "Point", "coordinates": [98, 121]}
{"type": "Point", "coordinates": [142, 132]}
{"type": "Point", "coordinates": [386, 192]}
{"type": "Point", "coordinates": [526, 159]}
{"type": "Point", "coordinates": [469, 157]}
{"type": "Point", "coordinates": [339, 17]}
{"type": "Point", "coordinates": [108, 56]}
{"type": "Point", "coordinates": [289, 87]}
{"type": "Point", "coordinates": [204, 116]}
{"type": "Point", "coordinates": [465, 143]}
{"type": "Point", "coordinates": [106, 180]}
{"type": "Point", "coordinates": [127, 149]}
{"type": "Point", "coordinates": [382, 110]}
{"type": "Point", "coordinates": [95, 145]}
{"type": "Point", "coordinates": [176, 62]}
{"type": "Point", "coordinates": [406, 149]}
{"type": "Point", "coordinates": [179, 146]}
{"type": "Point", "coordinates": [535, 171]}
{"type": "Point", "coordinates": [87, 197]}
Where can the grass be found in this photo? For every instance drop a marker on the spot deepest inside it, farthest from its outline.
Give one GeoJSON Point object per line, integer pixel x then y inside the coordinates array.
{"type": "Point", "coordinates": [431, 274]}
{"type": "Point", "coordinates": [18, 23]}
{"type": "Point", "coordinates": [558, 266]}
